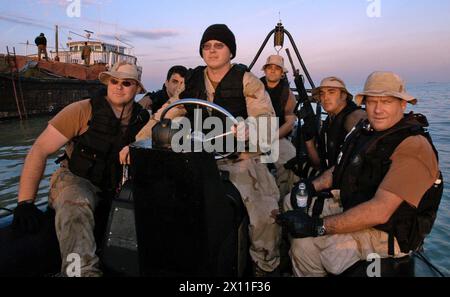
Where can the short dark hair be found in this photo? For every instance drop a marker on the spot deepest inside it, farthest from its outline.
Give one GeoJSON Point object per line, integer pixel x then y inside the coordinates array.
{"type": "Point", "coordinates": [181, 70]}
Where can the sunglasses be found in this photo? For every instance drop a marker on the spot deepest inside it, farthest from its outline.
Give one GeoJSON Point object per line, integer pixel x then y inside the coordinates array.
{"type": "Point", "coordinates": [124, 83]}
{"type": "Point", "coordinates": [217, 46]}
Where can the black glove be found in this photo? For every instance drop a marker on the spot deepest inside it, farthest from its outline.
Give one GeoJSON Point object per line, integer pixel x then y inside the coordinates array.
{"type": "Point", "coordinates": [27, 218]}
{"type": "Point", "coordinates": [299, 224]}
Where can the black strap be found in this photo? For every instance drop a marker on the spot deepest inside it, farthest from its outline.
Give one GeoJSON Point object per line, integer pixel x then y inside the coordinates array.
{"type": "Point", "coordinates": [318, 206]}
{"type": "Point", "coordinates": [391, 244]}
{"type": "Point", "coordinates": [320, 203]}
{"type": "Point", "coordinates": [62, 158]}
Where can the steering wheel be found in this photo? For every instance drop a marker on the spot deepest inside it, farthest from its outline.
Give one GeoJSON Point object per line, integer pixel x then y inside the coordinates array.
{"type": "Point", "coordinates": [204, 103]}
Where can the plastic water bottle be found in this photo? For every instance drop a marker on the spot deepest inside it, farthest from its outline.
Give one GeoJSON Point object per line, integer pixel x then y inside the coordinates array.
{"type": "Point", "coordinates": [302, 197]}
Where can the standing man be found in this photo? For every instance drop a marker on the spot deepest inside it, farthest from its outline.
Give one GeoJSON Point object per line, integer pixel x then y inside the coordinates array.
{"type": "Point", "coordinates": [390, 188]}
{"type": "Point", "coordinates": [284, 102]}
{"type": "Point", "coordinates": [86, 54]}
{"type": "Point", "coordinates": [172, 88]}
{"type": "Point", "coordinates": [94, 131]}
{"type": "Point", "coordinates": [41, 43]}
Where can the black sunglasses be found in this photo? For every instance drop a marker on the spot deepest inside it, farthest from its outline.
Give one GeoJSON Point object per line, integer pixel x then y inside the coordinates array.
{"type": "Point", "coordinates": [125, 83]}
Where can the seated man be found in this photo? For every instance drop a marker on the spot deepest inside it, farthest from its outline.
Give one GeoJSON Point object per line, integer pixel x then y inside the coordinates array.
{"type": "Point", "coordinates": [390, 188]}
{"type": "Point", "coordinates": [94, 131]}
{"type": "Point", "coordinates": [172, 88]}
{"type": "Point", "coordinates": [343, 115]}
{"type": "Point", "coordinates": [234, 88]}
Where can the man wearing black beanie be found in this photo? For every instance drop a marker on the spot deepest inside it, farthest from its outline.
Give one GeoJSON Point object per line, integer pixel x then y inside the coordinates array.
{"type": "Point", "coordinates": [234, 88]}
{"type": "Point", "coordinates": [221, 33]}
{"type": "Point", "coordinates": [240, 92]}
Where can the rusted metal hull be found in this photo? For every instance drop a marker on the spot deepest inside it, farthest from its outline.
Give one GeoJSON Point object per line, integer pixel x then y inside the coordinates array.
{"type": "Point", "coordinates": [42, 96]}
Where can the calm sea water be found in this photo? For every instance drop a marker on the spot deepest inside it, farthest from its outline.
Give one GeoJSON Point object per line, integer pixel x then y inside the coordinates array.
{"type": "Point", "coordinates": [16, 138]}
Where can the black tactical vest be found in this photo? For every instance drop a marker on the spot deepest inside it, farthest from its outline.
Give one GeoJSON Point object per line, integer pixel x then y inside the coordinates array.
{"type": "Point", "coordinates": [279, 97]}
{"type": "Point", "coordinates": [332, 136]}
{"type": "Point", "coordinates": [96, 152]}
{"type": "Point", "coordinates": [159, 98]}
{"type": "Point", "coordinates": [362, 167]}
{"type": "Point", "coordinates": [229, 93]}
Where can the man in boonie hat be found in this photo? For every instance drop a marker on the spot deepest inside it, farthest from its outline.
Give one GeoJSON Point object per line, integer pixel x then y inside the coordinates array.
{"type": "Point", "coordinates": [94, 131]}
{"type": "Point", "coordinates": [390, 188]}
{"type": "Point", "coordinates": [343, 115]}
{"type": "Point", "coordinates": [275, 60]}
{"type": "Point", "coordinates": [382, 88]}
{"type": "Point", "coordinates": [283, 101]}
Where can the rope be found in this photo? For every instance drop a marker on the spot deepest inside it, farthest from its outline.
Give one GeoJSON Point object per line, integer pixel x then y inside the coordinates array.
{"type": "Point", "coordinates": [422, 257]}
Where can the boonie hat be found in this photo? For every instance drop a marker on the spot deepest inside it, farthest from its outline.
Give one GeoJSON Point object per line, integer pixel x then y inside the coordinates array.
{"type": "Point", "coordinates": [123, 70]}
{"type": "Point", "coordinates": [383, 83]}
{"type": "Point", "coordinates": [331, 82]}
{"type": "Point", "coordinates": [275, 60]}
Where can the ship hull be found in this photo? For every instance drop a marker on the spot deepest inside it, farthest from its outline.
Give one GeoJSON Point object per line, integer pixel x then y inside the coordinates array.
{"type": "Point", "coordinates": [41, 96]}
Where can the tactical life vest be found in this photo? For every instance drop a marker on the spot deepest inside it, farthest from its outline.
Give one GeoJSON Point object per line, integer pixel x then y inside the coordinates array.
{"type": "Point", "coordinates": [279, 97]}
{"type": "Point", "coordinates": [362, 167]}
{"type": "Point", "coordinates": [159, 98]}
{"type": "Point", "coordinates": [332, 136]}
{"type": "Point", "coordinates": [229, 94]}
{"type": "Point", "coordinates": [96, 152]}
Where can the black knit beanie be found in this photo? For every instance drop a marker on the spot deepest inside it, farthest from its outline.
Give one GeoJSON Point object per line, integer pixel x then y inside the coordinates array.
{"type": "Point", "coordinates": [221, 33]}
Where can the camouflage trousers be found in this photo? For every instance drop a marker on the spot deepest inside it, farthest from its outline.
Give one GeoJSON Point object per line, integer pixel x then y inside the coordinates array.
{"type": "Point", "coordinates": [285, 178]}
{"type": "Point", "coordinates": [260, 195]}
{"type": "Point", "coordinates": [320, 256]}
{"type": "Point", "coordinates": [74, 200]}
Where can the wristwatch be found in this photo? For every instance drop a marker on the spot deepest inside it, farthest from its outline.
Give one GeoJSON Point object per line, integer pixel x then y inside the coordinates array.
{"type": "Point", "coordinates": [320, 229]}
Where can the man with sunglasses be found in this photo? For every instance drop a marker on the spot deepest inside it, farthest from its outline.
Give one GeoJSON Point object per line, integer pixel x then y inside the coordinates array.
{"type": "Point", "coordinates": [240, 92]}
{"type": "Point", "coordinates": [94, 131]}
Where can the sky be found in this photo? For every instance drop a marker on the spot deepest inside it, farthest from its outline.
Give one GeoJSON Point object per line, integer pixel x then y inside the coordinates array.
{"type": "Point", "coordinates": [349, 38]}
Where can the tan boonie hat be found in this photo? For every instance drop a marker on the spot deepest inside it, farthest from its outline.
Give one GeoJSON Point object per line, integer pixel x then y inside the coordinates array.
{"type": "Point", "coordinates": [331, 82]}
{"type": "Point", "coordinates": [382, 83]}
{"type": "Point", "coordinates": [123, 70]}
{"type": "Point", "coordinates": [275, 60]}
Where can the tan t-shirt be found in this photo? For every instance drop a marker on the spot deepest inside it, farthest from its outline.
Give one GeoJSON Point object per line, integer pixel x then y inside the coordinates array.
{"type": "Point", "coordinates": [73, 121]}
{"type": "Point", "coordinates": [413, 171]}
{"type": "Point", "coordinates": [146, 102]}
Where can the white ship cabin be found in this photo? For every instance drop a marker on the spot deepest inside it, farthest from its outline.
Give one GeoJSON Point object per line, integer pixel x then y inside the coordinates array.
{"type": "Point", "coordinates": [102, 53]}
